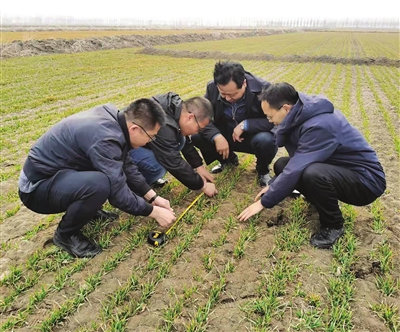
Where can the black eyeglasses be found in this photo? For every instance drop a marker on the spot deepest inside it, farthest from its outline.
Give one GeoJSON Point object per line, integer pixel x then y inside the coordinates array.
{"type": "Point", "coordinates": [152, 138]}
{"type": "Point", "coordinates": [197, 121]}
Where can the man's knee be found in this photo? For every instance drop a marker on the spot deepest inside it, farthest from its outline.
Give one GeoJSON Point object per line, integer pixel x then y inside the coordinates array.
{"type": "Point", "coordinates": [280, 164]}
{"type": "Point", "coordinates": [313, 174]}
{"type": "Point", "coordinates": [263, 141]}
{"type": "Point", "coordinates": [98, 185]}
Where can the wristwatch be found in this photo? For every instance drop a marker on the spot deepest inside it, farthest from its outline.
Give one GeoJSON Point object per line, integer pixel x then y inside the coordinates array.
{"type": "Point", "coordinates": [242, 125]}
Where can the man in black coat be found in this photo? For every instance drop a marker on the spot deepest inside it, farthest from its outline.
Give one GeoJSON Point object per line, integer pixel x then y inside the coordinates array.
{"type": "Point", "coordinates": [239, 123]}
{"type": "Point", "coordinates": [173, 142]}
{"type": "Point", "coordinates": [82, 161]}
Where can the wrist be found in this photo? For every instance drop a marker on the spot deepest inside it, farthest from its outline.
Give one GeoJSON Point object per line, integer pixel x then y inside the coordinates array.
{"type": "Point", "coordinates": [216, 137]}
{"type": "Point", "coordinates": [149, 194]}
{"type": "Point", "coordinates": [152, 199]}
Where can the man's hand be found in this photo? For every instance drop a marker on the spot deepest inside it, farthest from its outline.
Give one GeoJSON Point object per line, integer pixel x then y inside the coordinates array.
{"type": "Point", "coordinates": [237, 132]}
{"type": "Point", "coordinates": [262, 192]}
{"type": "Point", "coordinates": [164, 217]}
{"type": "Point", "coordinates": [250, 211]}
{"type": "Point", "coordinates": [209, 189]}
{"type": "Point", "coordinates": [222, 146]}
{"type": "Point", "coordinates": [205, 174]}
{"type": "Point", "coordinates": [162, 202]}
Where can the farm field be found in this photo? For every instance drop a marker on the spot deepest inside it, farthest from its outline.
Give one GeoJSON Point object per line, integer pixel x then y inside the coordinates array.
{"type": "Point", "coordinates": [10, 36]}
{"type": "Point", "coordinates": [215, 273]}
{"type": "Point", "coordinates": [335, 44]}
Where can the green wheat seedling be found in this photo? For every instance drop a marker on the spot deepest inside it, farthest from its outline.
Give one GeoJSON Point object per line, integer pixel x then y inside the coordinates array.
{"type": "Point", "coordinates": [346, 94]}
{"type": "Point", "coordinates": [378, 222]}
{"type": "Point", "coordinates": [387, 284]}
{"type": "Point", "coordinates": [384, 254]}
{"type": "Point", "coordinates": [389, 313]}
{"type": "Point", "coordinates": [386, 86]}
{"type": "Point", "coordinates": [341, 286]}
{"type": "Point", "coordinates": [208, 261]}
{"type": "Point", "coordinates": [333, 89]}
{"type": "Point", "coordinates": [59, 280]}
{"type": "Point", "coordinates": [117, 321]}
{"type": "Point", "coordinates": [364, 115]}
{"type": "Point", "coordinates": [293, 235]}
{"type": "Point", "coordinates": [246, 235]}
{"type": "Point", "coordinates": [61, 258]}
{"type": "Point", "coordinates": [228, 226]}
{"type": "Point", "coordinates": [91, 282]}
{"type": "Point", "coordinates": [174, 310]}
{"type": "Point", "coordinates": [261, 311]}
{"type": "Point", "coordinates": [310, 318]}
{"type": "Point", "coordinates": [199, 322]}
{"type": "Point", "coordinates": [386, 116]}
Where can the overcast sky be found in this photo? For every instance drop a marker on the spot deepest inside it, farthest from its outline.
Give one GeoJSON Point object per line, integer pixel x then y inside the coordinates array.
{"type": "Point", "coordinates": [170, 10]}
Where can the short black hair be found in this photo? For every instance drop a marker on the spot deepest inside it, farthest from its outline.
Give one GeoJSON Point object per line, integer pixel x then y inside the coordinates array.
{"type": "Point", "coordinates": [226, 71]}
{"type": "Point", "coordinates": [278, 94]}
{"type": "Point", "coordinates": [199, 106]}
{"type": "Point", "coordinates": [145, 112]}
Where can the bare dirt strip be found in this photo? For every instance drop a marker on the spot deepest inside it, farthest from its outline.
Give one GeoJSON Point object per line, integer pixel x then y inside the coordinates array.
{"type": "Point", "coordinates": [381, 61]}
{"type": "Point", "coordinates": [48, 46]}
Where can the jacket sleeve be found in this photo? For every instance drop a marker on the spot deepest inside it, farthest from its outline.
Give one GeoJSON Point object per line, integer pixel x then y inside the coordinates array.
{"type": "Point", "coordinates": [256, 125]}
{"type": "Point", "coordinates": [166, 151]}
{"type": "Point", "coordinates": [106, 157]}
{"type": "Point", "coordinates": [191, 155]}
{"type": "Point", "coordinates": [315, 145]}
{"type": "Point", "coordinates": [135, 180]}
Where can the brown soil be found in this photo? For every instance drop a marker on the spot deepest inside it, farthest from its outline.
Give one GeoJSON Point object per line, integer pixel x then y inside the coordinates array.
{"type": "Point", "coordinates": [381, 61]}
{"type": "Point", "coordinates": [49, 46]}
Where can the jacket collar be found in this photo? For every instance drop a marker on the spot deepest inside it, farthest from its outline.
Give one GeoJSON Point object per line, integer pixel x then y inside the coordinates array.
{"type": "Point", "coordinates": [124, 127]}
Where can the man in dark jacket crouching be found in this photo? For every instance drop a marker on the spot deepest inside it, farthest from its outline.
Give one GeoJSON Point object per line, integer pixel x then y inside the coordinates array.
{"type": "Point", "coordinates": [173, 142]}
{"type": "Point", "coordinates": [239, 123]}
{"type": "Point", "coordinates": [82, 161]}
{"type": "Point", "coordinates": [329, 160]}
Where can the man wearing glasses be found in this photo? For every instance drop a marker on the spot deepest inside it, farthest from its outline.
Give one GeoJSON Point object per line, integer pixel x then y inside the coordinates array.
{"type": "Point", "coordinates": [163, 153]}
{"type": "Point", "coordinates": [82, 161]}
{"type": "Point", "coordinates": [329, 160]}
{"type": "Point", "coordinates": [239, 123]}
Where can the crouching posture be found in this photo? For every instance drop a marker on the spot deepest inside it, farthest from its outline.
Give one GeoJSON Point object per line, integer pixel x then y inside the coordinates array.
{"type": "Point", "coordinates": [173, 142]}
{"type": "Point", "coordinates": [82, 161]}
{"type": "Point", "coordinates": [329, 160]}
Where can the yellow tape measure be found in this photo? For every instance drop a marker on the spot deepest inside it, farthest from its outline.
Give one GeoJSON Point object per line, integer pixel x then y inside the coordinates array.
{"type": "Point", "coordinates": [157, 238]}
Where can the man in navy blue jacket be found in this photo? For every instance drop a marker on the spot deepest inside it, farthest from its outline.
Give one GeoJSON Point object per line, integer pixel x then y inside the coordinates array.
{"type": "Point", "coordinates": [329, 160]}
{"type": "Point", "coordinates": [82, 161]}
{"type": "Point", "coordinates": [239, 123]}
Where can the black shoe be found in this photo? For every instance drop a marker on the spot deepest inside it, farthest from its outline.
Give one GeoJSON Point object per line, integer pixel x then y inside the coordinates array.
{"type": "Point", "coordinates": [263, 179]}
{"type": "Point", "coordinates": [220, 167]}
{"type": "Point", "coordinates": [104, 215]}
{"type": "Point", "coordinates": [159, 183]}
{"type": "Point", "coordinates": [76, 244]}
{"type": "Point", "coordinates": [326, 237]}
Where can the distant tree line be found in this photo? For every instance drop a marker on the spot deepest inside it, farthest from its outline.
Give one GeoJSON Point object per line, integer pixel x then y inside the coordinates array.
{"type": "Point", "coordinates": [300, 23]}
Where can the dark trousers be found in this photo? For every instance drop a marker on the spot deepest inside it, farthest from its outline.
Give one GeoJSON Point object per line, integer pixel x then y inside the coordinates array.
{"type": "Point", "coordinates": [324, 185]}
{"type": "Point", "coordinates": [262, 145]}
{"type": "Point", "coordinates": [79, 194]}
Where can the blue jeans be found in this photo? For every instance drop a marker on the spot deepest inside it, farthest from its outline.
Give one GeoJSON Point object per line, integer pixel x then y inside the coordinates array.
{"type": "Point", "coordinates": [147, 164]}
